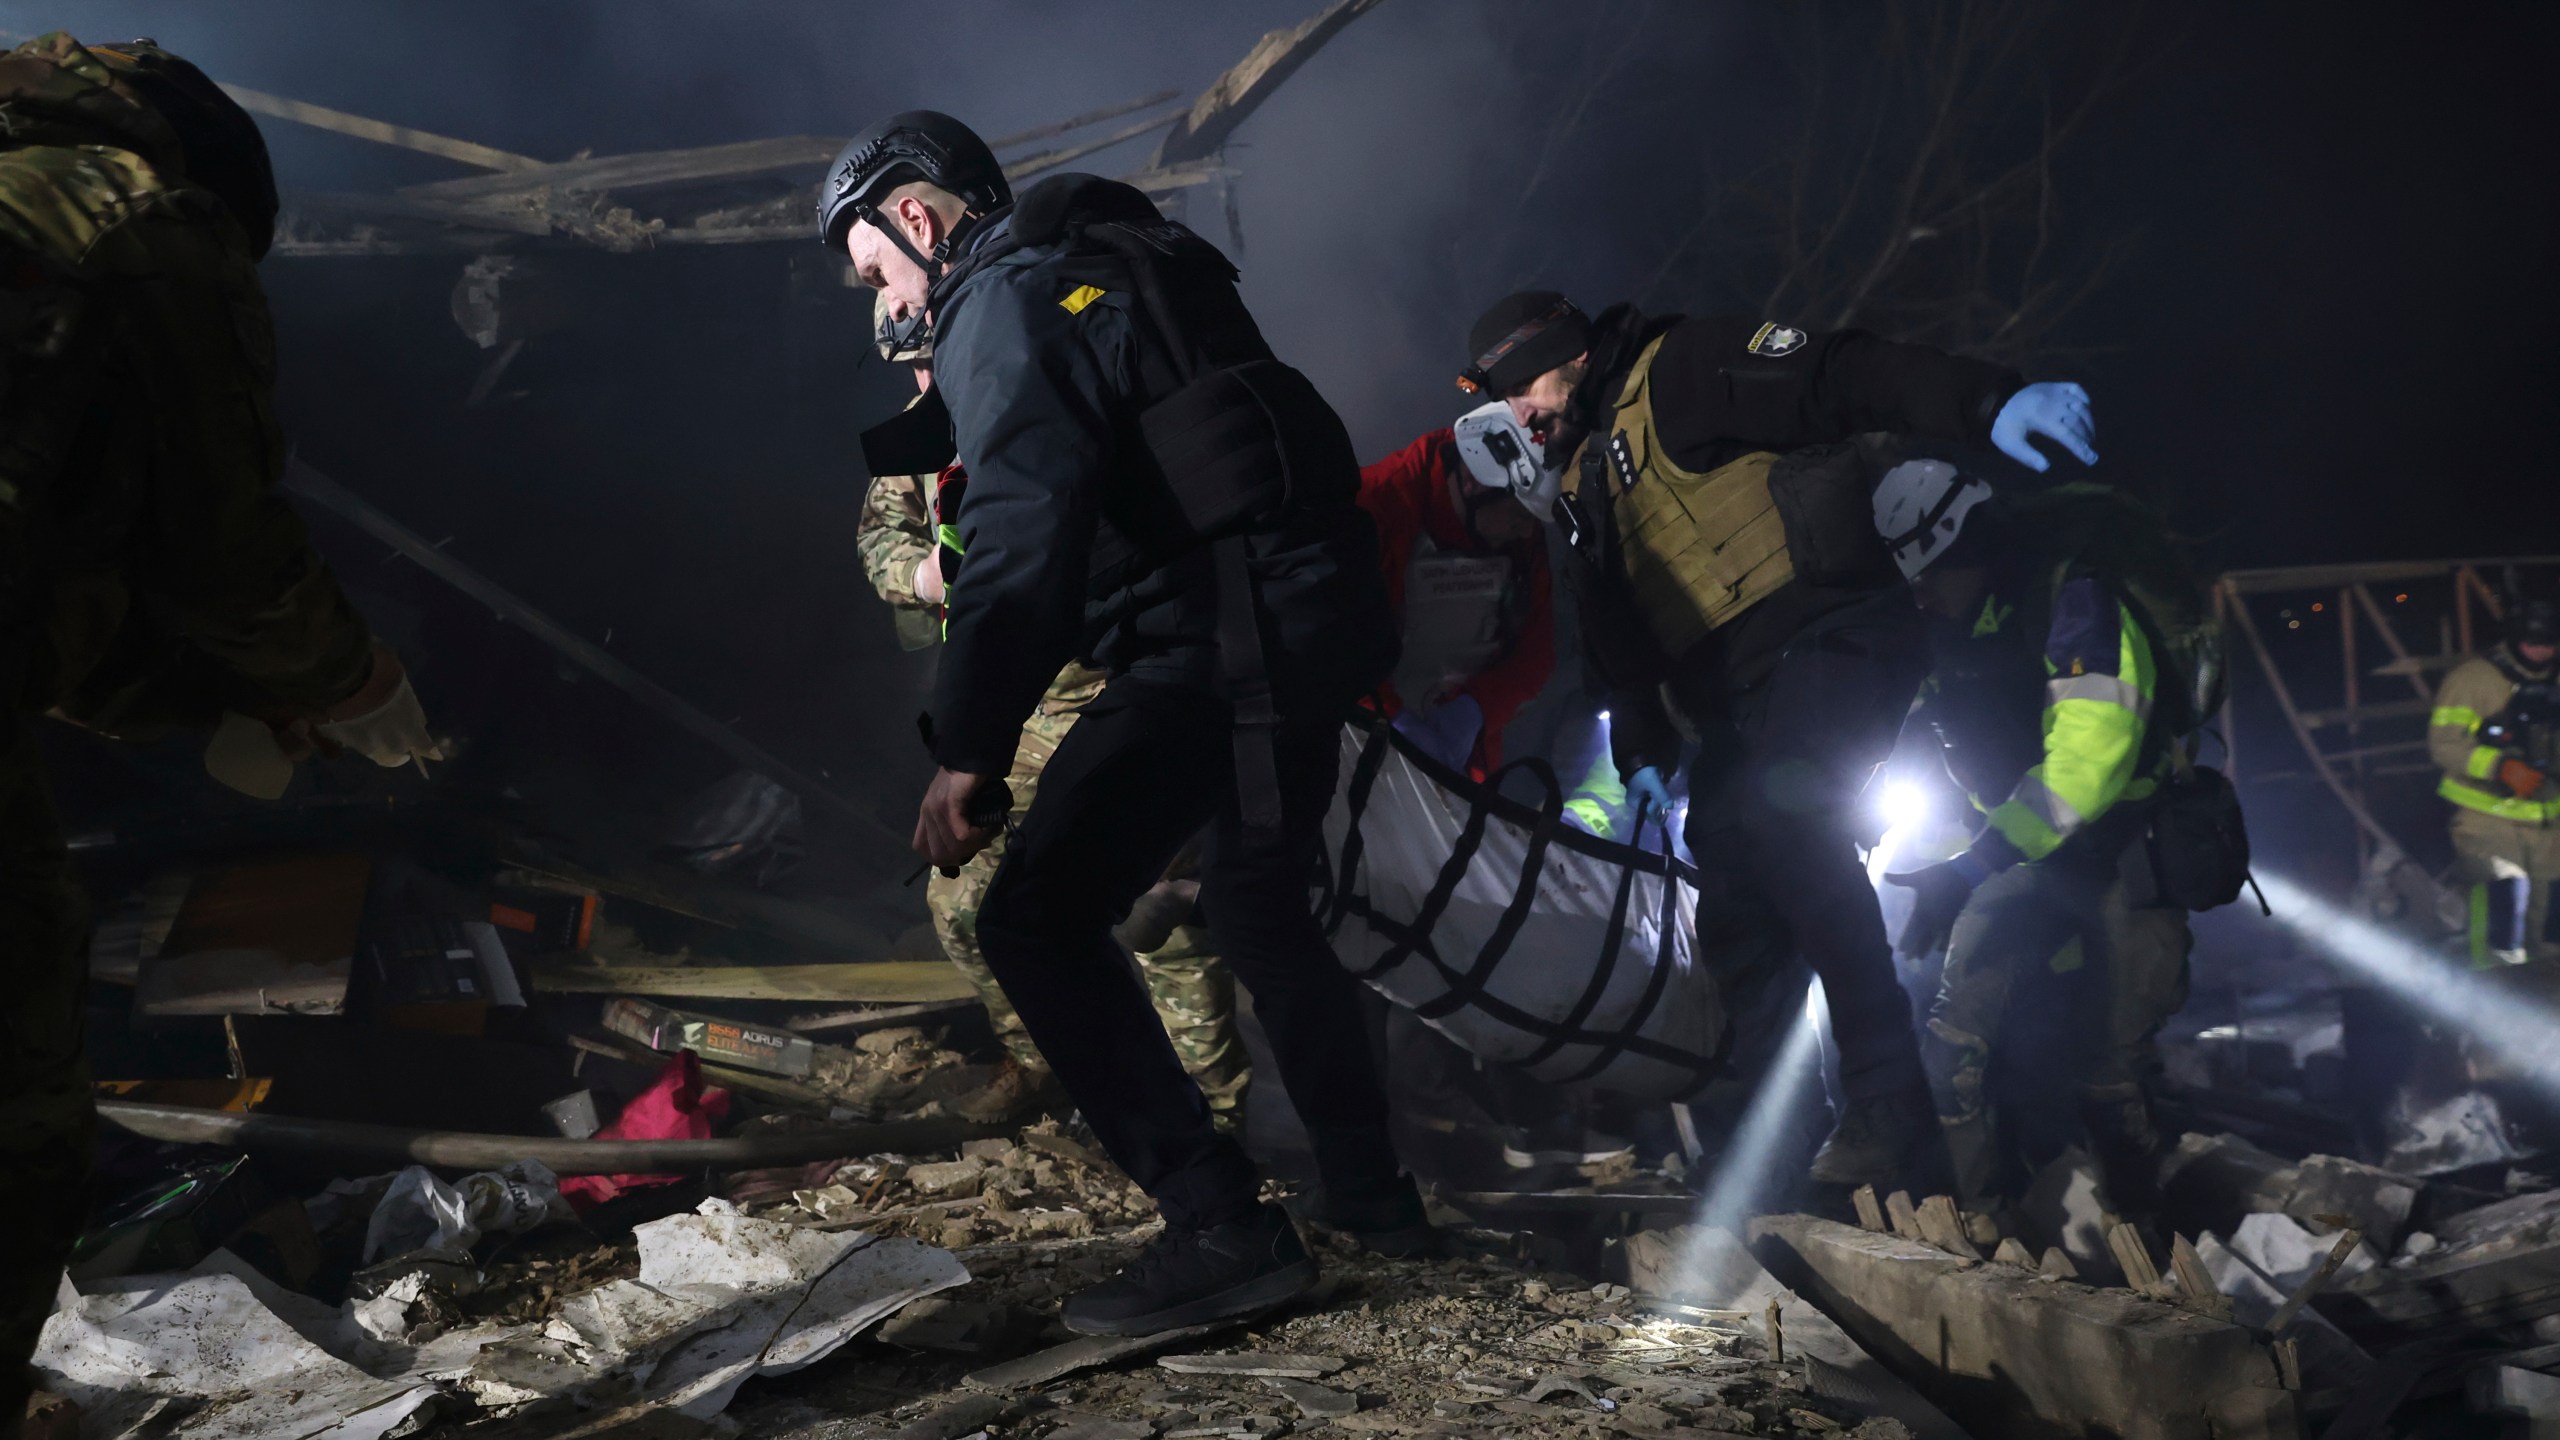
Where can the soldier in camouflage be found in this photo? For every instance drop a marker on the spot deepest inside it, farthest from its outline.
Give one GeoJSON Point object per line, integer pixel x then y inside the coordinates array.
{"type": "Point", "coordinates": [1194, 994]}
{"type": "Point", "coordinates": [150, 578]}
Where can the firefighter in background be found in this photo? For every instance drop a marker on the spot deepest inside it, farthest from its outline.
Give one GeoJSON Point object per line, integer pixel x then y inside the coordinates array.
{"type": "Point", "coordinates": [151, 580]}
{"type": "Point", "coordinates": [1194, 994]}
{"type": "Point", "coordinates": [1466, 568]}
{"type": "Point", "coordinates": [2495, 733]}
{"type": "Point", "coordinates": [2066, 637]}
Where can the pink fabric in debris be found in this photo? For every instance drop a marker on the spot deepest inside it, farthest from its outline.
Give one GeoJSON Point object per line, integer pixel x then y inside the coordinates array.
{"type": "Point", "coordinates": [676, 1106]}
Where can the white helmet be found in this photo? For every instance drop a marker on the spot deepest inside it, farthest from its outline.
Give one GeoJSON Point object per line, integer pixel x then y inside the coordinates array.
{"type": "Point", "coordinates": [1920, 509]}
{"type": "Point", "coordinates": [1500, 455]}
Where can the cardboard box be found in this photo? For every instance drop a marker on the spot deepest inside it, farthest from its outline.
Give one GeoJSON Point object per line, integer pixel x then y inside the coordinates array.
{"type": "Point", "coordinates": [719, 1042]}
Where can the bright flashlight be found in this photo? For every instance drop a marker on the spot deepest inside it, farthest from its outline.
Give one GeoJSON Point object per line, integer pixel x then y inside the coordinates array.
{"type": "Point", "coordinates": [1902, 805]}
{"type": "Point", "coordinates": [2517, 1030]}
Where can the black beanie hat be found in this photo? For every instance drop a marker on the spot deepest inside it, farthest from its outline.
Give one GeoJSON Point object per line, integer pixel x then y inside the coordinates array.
{"type": "Point", "coordinates": [1521, 338]}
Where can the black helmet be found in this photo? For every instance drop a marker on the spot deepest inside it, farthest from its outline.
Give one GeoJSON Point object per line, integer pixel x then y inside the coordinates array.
{"type": "Point", "coordinates": [910, 145]}
{"type": "Point", "coordinates": [2533, 622]}
{"type": "Point", "coordinates": [224, 151]}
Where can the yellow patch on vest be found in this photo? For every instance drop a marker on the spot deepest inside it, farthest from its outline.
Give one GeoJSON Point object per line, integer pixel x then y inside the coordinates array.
{"type": "Point", "coordinates": [1084, 295]}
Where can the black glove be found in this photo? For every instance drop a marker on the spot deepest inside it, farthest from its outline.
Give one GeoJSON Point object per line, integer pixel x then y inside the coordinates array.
{"type": "Point", "coordinates": [1939, 895]}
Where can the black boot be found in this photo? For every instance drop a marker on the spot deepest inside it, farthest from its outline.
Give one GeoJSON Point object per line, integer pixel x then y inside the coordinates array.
{"type": "Point", "coordinates": [1386, 1219]}
{"type": "Point", "coordinates": [1192, 1277]}
{"type": "Point", "coordinates": [1877, 1142]}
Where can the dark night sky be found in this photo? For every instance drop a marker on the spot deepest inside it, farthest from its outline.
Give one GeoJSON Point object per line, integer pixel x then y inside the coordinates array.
{"type": "Point", "coordinates": [2331, 339]}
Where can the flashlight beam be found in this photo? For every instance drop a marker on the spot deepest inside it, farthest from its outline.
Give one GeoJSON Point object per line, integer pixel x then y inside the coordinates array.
{"type": "Point", "coordinates": [2518, 1030]}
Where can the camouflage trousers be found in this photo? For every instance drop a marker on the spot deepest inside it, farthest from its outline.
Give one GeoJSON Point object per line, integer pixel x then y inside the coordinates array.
{"type": "Point", "coordinates": [47, 1123]}
{"type": "Point", "coordinates": [1194, 993]}
{"type": "Point", "coordinates": [2114, 967]}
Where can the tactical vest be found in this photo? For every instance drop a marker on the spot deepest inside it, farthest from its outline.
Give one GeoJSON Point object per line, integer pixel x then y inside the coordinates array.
{"type": "Point", "coordinates": [1234, 445]}
{"type": "Point", "coordinates": [1697, 549]}
{"type": "Point", "coordinates": [1456, 620]}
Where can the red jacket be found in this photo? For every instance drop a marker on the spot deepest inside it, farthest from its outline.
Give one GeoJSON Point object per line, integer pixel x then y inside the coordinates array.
{"type": "Point", "coordinates": [1407, 494]}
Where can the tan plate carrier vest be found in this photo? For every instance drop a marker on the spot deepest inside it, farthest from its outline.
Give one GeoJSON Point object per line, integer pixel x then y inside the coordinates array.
{"type": "Point", "coordinates": [1699, 549]}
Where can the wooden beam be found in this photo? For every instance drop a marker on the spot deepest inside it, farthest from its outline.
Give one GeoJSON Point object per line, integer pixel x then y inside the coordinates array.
{"type": "Point", "coordinates": [1239, 92]}
{"type": "Point", "coordinates": [641, 170]}
{"type": "Point", "coordinates": [356, 206]}
{"type": "Point", "coordinates": [339, 122]}
{"type": "Point", "coordinates": [1052, 159]}
{"type": "Point", "coordinates": [1078, 122]}
{"type": "Point", "coordinates": [883, 982]}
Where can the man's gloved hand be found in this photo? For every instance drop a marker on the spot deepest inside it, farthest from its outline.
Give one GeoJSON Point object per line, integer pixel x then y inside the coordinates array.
{"type": "Point", "coordinates": [1646, 785]}
{"type": "Point", "coordinates": [2056, 410]}
{"type": "Point", "coordinates": [928, 577]}
{"type": "Point", "coordinates": [383, 721]}
{"type": "Point", "coordinates": [1447, 731]}
{"type": "Point", "coordinates": [2519, 777]}
{"type": "Point", "coordinates": [1939, 895]}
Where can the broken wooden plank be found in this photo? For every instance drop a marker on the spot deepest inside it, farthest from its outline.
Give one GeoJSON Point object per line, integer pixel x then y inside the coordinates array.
{"type": "Point", "coordinates": [1870, 1212]}
{"type": "Point", "coordinates": [1941, 1226]}
{"type": "Point", "coordinates": [643, 169]}
{"type": "Point", "coordinates": [1078, 122]}
{"type": "Point", "coordinates": [1052, 159]}
{"type": "Point", "coordinates": [2132, 1257]}
{"type": "Point", "coordinates": [884, 981]}
{"type": "Point", "coordinates": [1904, 1217]}
{"type": "Point", "coordinates": [1234, 97]}
{"type": "Point", "coordinates": [2195, 1283]}
{"type": "Point", "coordinates": [360, 207]}
{"type": "Point", "coordinates": [321, 117]}
{"type": "Point", "coordinates": [873, 1017]}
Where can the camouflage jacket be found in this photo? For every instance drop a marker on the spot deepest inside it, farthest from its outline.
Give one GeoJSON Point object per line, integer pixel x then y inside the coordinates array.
{"type": "Point", "coordinates": [894, 536]}
{"type": "Point", "coordinates": [150, 576]}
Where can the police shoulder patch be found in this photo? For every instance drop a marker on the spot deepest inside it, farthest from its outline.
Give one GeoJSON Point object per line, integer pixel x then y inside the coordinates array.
{"type": "Point", "coordinates": [1773, 340]}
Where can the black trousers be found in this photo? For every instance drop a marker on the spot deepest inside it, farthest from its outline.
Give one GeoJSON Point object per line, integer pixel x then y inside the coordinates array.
{"type": "Point", "coordinates": [1146, 768]}
{"type": "Point", "coordinates": [1773, 826]}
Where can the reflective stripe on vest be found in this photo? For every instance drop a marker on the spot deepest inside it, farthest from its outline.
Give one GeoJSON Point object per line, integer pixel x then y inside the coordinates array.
{"type": "Point", "coordinates": [1699, 548]}
{"type": "Point", "coordinates": [2505, 807]}
{"type": "Point", "coordinates": [1453, 616]}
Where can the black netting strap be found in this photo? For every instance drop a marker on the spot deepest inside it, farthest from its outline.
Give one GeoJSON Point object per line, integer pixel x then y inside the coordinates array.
{"type": "Point", "coordinates": [1524, 893]}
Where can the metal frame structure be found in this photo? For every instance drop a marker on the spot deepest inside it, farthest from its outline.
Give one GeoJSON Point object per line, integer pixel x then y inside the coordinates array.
{"type": "Point", "coordinates": [2372, 749]}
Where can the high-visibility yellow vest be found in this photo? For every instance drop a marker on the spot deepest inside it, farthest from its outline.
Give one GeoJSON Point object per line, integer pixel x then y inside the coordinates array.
{"type": "Point", "coordinates": [1699, 549]}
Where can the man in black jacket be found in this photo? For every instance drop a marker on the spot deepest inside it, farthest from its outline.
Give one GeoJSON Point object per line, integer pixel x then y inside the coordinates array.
{"type": "Point", "coordinates": [1150, 490]}
{"type": "Point", "coordinates": [1738, 597]}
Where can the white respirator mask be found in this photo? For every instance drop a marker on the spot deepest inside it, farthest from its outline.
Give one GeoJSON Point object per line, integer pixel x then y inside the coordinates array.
{"type": "Point", "coordinates": [1500, 455]}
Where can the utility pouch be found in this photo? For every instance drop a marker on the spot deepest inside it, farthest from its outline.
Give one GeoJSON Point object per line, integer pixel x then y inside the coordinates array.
{"type": "Point", "coordinates": [2199, 840]}
{"type": "Point", "coordinates": [1824, 495]}
{"type": "Point", "coordinates": [1240, 445]}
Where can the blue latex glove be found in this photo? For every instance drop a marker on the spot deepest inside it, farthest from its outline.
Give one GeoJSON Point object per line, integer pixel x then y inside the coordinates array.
{"type": "Point", "coordinates": [1447, 731]}
{"type": "Point", "coordinates": [1646, 785]}
{"type": "Point", "coordinates": [2058, 411]}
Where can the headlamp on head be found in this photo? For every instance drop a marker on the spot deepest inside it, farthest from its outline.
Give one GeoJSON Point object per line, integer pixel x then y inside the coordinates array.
{"type": "Point", "coordinates": [1500, 455]}
{"type": "Point", "coordinates": [1521, 338]}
